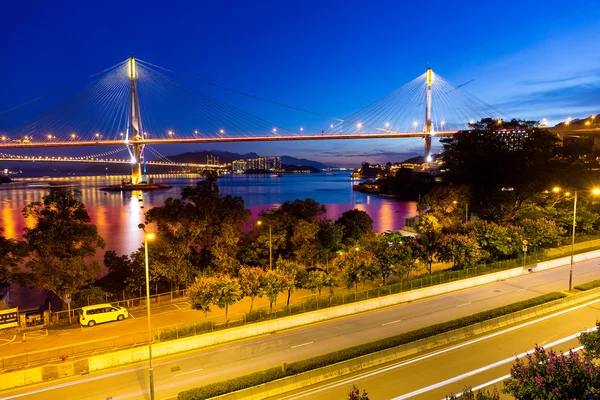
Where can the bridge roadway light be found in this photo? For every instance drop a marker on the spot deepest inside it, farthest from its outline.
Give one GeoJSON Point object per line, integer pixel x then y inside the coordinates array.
{"type": "Point", "coordinates": [148, 236]}
{"type": "Point", "coordinates": [301, 130]}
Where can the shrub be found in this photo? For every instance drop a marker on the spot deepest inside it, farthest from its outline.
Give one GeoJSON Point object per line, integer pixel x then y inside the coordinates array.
{"type": "Point", "coordinates": [588, 285]}
{"type": "Point", "coordinates": [257, 378]}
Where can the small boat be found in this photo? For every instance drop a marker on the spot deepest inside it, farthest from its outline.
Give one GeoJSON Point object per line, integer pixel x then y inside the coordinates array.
{"type": "Point", "coordinates": [329, 174]}
{"type": "Point", "coordinates": [275, 175]}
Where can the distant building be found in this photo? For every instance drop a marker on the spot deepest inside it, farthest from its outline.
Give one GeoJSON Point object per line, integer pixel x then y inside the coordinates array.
{"type": "Point", "coordinates": [514, 139]}
{"type": "Point", "coordinates": [260, 163]}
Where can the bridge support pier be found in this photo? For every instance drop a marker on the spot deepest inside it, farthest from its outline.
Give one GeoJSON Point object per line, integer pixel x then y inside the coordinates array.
{"type": "Point", "coordinates": [428, 116]}
{"type": "Point", "coordinates": [136, 163]}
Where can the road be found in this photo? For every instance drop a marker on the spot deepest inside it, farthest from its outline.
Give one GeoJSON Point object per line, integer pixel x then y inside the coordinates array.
{"type": "Point", "coordinates": [473, 363]}
{"type": "Point", "coordinates": [200, 367]}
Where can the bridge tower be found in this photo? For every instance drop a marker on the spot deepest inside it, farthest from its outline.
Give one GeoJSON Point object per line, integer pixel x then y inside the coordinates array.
{"type": "Point", "coordinates": [135, 136]}
{"type": "Point", "coordinates": [428, 116]}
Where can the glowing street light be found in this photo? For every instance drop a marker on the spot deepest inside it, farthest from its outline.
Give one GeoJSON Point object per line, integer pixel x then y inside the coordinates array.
{"type": "Point", "coordinates": [331, 126]}
{"type": "Point", "coordinates": [359, 125]}
{"type": "Point", "coordinates": [595, 192]}
{"type": "Point", "coordinates": [443, 123]}
{"type": "Point", "coordinates": [148, 236]}
{"type": "Point", "coordinates": [301, 129]}
{"type": "Point", "coordinates": [221, 131]}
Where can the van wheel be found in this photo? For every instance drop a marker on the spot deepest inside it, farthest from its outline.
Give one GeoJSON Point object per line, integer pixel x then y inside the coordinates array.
{"type": "Point", "coordinates": [91, 323]}
{"type": "Point", "coordinates": [120, 318]}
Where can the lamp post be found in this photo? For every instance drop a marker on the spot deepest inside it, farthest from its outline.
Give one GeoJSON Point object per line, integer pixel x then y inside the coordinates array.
{"type": "Point", "coordinates": [259, 222]}
{"type": "Point", "coordinates": [150, 369]}
{"type": "Point", "coordinates": [466, 210]}
{"type": "Point", "coordinates": [567, 194]}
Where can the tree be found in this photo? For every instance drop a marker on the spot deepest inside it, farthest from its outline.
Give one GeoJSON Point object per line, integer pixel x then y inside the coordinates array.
{"type": "Point", "coordinates": [591, 342]}
{"type": "Point", "coordinates": [426, 246]}
{"type": "Point", "coordinates": [504, 163]}
{"type": "Point", "coordinates": [547, 375]}
{"type": "Point", "coordinates": [120, 269]}
{"type": "Point", "coordinates": [226, 291]}
{"type": "Point", "coordinates": [305, 243]}
{"type": "Point", "coordinates": [355, 394]}
{"type": "Point", "coordinates": [273, 284]}
{"type": "Point", "coordinates": [482, 394]}
{"type": "Point", "coordinates": [541, 233]}
{"type": "Point", "coordinates": [251, 282]}
{"type": "Point", "coordinates": [448, 203]}
{"type": "Point", "coordinates": [393, 256]}
{"type": "Point", "coordinates": [318, 279]}
{"type": "Point", "coordinates": [11, 255]}
{"type": "Point", "coordinates": [496, 241]}
{"type": "Point", "coordinates": [59, 244]}
{"type": "Point", "coordinates": [462, 250]}
{"type": "Point", "coordinates": [293, 275]}
{"type": "Point", "coordinates": [356, 225]}
{"type": "Point", "coordinates": [357, 266]}
{"type": "Point", "coordinates": [90, 296]}
{"type": "Point", "coordinates": [202, 293]}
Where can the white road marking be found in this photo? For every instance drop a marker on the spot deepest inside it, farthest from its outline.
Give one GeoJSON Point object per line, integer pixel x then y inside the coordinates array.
{"type": "Point", "coordinates": [9, 341]}
{"type": "Point", "coordinates": [520, 290]}
{"type": "Point", "coordinates": [464, 304]}
{"type": "Point", "coordinates": [131, 315]}
{"type": "Point", "coordinates": [434, 354]}
{"type": "Point", "coordinates": [63, 334]}
{"type": "Point", "coordinates": [189, 372]}
{"type": "Point", "coordinates": [300, 345]}
{"type": "Point", "coordinates": [177, 306]}
{"type": "Point", "coordinates": [390, 323]}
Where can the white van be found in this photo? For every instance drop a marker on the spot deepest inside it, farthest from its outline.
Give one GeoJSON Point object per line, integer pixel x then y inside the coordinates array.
{"type": "Point", "coordinates": [99, 313]}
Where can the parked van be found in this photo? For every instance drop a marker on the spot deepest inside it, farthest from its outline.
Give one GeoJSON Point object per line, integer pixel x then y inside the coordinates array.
{"type": "Point", "coordinates": [99, 313]}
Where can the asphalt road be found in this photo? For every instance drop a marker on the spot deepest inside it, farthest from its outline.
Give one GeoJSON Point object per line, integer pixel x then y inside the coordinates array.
{"type": "Point", "coordinates": [473, 363]}
{"type": "Point", "coordinates": [192, 369]}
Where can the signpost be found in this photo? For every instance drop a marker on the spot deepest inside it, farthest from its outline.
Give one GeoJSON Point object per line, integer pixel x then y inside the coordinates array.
{"type": "Point", "coordinates": [524, 252]}
{"type": "Point", "coordinates": [9, 318]}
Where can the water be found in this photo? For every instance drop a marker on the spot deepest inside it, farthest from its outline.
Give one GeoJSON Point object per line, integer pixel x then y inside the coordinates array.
{"type": "Point", "coordinates": [117, 215]}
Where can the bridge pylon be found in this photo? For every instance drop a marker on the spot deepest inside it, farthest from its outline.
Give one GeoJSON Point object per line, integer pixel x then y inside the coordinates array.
{"type": "Point", "coordinates": [135, 135]}
{"type": "Point", "coordinates": [428, 115]}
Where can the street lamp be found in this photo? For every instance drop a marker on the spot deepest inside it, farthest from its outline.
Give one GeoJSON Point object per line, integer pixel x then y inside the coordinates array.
{"type": "Point", "coordinates": [595, 192]}
{"type": "Point", "coordinates": [466, 210]}
{"type": "Point", "coordinates": [259, 222]}
{"type": "Point", "coordinates": [148, 236]}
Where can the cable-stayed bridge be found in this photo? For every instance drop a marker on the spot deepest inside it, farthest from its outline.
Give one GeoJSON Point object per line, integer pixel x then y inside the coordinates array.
{"type": "Point", "coordinates": [135, 103]}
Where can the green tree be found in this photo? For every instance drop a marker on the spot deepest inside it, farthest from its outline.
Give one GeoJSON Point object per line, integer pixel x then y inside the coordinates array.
{"type": "Point", "coordinates": [357, 266]}
{"type": "Point", "coordinates": [462, 250]}
{"type": "Point", "coordinates": [251, 282]}
{"type": "Point", "coordinates": [591, 342]}
{"type": "Point", "coordinates": [426, 246]}
{"type": "Point", "coordinates": [11, 255]}
{"type": "Point", "coordinates": [541, 233]}
{"type": "Point", "coordinates": [448, 203]}
{"type": "Point", "coordinates": [356, 225]}
{"type": "Point", "coordinates": [90, 296]}
{"type": "Point", "coordinates": [496, 241]}
{"type": "Point", "coordinates": [226, 291]}
{"type": "Point", "coordinates": [393, 256]}
{"type": "Point", "coordinates": [502, 173]}
{"type": "Point", "coordinates": [60, 244]}
{"type": "Point", "coordinates": [547, 375]}
{"type": "Point", "coordinates": [273, 284]}
{"type": "Point", "coordinates": [293, 274]}
{"type": "Point", "coordinates": [319, 279]}
{"type": "Point", "coordinates": [202, 293]}
{"type": "Point", "coordinates": [304, 240]}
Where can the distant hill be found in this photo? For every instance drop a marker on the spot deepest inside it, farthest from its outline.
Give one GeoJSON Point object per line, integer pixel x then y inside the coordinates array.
{"type": "Point", "coordinates": [287, 160]}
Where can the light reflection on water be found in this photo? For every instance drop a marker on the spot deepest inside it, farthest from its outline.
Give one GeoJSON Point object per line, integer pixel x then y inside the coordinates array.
{"type": "Point", "coordinates": [117, 215]}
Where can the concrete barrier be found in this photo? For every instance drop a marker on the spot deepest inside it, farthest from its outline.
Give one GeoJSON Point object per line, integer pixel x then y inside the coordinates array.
{"type": "Point", "coordinates": [308, 378]}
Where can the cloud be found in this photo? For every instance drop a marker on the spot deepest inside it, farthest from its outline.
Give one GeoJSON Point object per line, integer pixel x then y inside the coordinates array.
{"type": "Point", "coordinates": [578, 96]}
{"type": "Point", "coordinates": [592, 74]}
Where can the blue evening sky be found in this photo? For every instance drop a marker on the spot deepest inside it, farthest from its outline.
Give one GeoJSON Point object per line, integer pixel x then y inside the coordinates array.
{"type": "Point", "coordinates": [531, 59]}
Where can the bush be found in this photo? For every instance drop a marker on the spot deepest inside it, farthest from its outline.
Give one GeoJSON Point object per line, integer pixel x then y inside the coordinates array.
{"type": "Point", "coordinates": [588, 285]}
{"type": "Point", "coordinates": [257, 378]}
